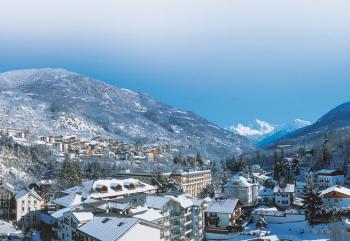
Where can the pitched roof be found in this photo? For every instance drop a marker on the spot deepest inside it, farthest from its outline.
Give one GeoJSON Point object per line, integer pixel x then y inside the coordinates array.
{"type": "Point", "coordinates": [156, 202]}
{"type": "Point", "coordinates": [24, 192]}
{"type": "Point", "coordinates": [69, 200]}
{"type": "Point", "coordinates": [89, 188]}
{"type": "Point", "coordinates": [83, 216]}
{"type": "Point", "coordinates": [108, 229]}
{"type": "Point", "coordinates": [289, 188]}
{"type": "Point", "coordinates": [222, 206]}
{"type": "Point", "coordinates": [8, 187]}
{"type": "Point", "coordinates": [336, 188]}
{"type": "Point", "coordinates": [238, 181]}
{"type": "Point", "coordinates": [149, 215]}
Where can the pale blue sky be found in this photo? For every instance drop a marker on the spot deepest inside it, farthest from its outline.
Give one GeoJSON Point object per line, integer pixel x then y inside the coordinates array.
{"type": "Point", "coordinates": [230, 61]}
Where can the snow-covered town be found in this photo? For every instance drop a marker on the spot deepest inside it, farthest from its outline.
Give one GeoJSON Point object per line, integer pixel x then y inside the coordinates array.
{"type": "Point", "coordinates": [185, 120]}
{"type": "Point", "coordinates": [189, 199]}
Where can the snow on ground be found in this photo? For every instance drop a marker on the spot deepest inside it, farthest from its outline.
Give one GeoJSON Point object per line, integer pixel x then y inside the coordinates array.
{"type": "Point", "coordinates": [7, 228]}
{"type": "Point", "coordinates": [289, 231]}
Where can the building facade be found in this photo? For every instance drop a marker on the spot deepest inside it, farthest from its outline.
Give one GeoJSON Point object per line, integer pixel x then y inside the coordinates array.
{"type": "Point", "coordinates": [193, 182]}
{"type": "Point", "coordinates": [241, 188]}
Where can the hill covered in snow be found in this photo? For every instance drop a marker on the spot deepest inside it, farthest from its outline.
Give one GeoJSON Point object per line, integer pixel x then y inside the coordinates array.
{"type": "Point", "coordinates": [56, 101]}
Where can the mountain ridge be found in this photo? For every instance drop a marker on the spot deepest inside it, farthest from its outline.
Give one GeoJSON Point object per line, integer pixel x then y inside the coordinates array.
{"type": "Point", "coordinates": [335, 119]}
{"type": "Point", "coordinates": [59, 101]}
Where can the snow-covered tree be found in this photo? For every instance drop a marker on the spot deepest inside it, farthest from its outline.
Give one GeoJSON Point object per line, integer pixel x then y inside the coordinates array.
{"type": "Point", "coordinates": [261, 223]}
{"type": "Point", "coordinates": [312, 203]}
{"type": "Point", "coordinates": [208, 191]}
{"type": "Point", "coordinates": [70, 174]}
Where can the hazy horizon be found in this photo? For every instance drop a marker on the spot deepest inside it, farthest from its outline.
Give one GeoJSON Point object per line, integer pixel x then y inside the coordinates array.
{"type": "Point", "coordinates": [229, 61]}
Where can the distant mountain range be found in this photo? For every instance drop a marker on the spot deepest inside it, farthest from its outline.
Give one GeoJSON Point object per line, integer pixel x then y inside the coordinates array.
{"type": "Point", "coordinates": [336, 119]}
{"type": "Point", "coordinates": [262, 132]}
{"type": "Point", "coordinates": [56, 101]}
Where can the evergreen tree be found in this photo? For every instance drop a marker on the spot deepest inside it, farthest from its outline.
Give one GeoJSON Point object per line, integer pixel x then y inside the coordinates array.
{"type": "Point", "coordinates": [326, 156]}
{"type": "Point", "coordinates": [208, 191]}
{"type": "Point", "coordinates": [312, 202]}
{"type": "Point", "coordinates": [70, 174]}
{"type": "Point", "coordinates": [296, 164]}
{"type": "Point", "coordinates": [199, 159]}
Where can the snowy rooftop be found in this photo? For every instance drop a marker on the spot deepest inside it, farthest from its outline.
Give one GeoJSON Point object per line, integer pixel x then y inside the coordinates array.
{"type": "Point", "coordinates": [339, 189]}
{"type": "Point", "coordinates": [69, 200]}
{"type": "Point", "coordinates": [222, 206]}
{"type": "Point", "coordinates": [187, 201]}
{"type": "Point", "coordinates": [111, 188]}
{"type": "Point", "coordinates": [24, 192]}
{"type": "Point", "coordinates": [83, 216]}
{"type": "Point", "coordinates": [58, 215]}
{"type": "Point", "coordinates": [157, 202]}
{"type": "Point", "coordinates": [289, 188]}
{"type": "Point", "coordinates": [8, 186]}
{"type": "Point", "coordinates": [149, 214]}
{"type": "Point", "coordinates": [190, 173]}
{"type": "Point", "coordinates": [238, 181]}
{"type": "Point", "coordinates": [108, 229]}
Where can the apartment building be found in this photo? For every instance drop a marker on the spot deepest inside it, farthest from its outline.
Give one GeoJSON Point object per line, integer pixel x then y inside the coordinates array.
{"type": "Point", "coordinates": [193, 182]}
{"type": "Point", "coordinates": [325, 178]}
{"type": "Point", "coordinates": [183, 216]}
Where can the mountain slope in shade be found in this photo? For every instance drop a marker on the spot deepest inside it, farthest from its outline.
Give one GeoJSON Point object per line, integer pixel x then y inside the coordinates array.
{"type": "Point", "coordinates": [338, 118]}
{"type": "Point", "coordinates": [56, 101]}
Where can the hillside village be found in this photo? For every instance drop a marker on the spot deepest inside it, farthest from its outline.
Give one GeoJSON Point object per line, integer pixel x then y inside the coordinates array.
{"type": "Point", "coordinates": [109, 190]}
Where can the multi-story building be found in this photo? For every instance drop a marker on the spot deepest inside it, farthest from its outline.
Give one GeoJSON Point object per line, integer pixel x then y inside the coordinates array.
{"type": "Point", "coordinates": [183, 216]}
{"type": "Point", "coordinates": [7, 202]}
{"type": "Point", "coordinates": [22, 207]}
{"type": "Point", "coordinates": [222, 215]}
{"type": "Point", "coordinates": [336, 196]}
{"type": "Point", "coordinates": [28, 206]}
{"type": "Point", "coordinates": [325, 178]}
{"type": "Point", "coordinates": [284, 196]}
{"type": "Point", "coordinates": [243, 189]}
{"type": "Point", "coordinates": [193, 182]}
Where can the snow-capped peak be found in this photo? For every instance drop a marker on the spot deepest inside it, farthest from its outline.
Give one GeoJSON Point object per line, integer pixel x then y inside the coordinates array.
{"type": "Point", "coordinates": [259, 128]}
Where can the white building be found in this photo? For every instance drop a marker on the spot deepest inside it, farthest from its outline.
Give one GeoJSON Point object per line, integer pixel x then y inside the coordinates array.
{"type": "Point", "coordinates": [325, 178]}
{"type": "Point", "coordinates": [28, 206]}
{"type": "Point", "coordinates": [193, 182]}
{"type": "Point", "coordinates": [241, 188]}
{"type": "Point", "coordinates": [221, 214]}
{"type": "Point", "coordinates": [183, 216]}
{"type": "Point", "coordinates": [72, 221]}
{"type": "Point", "coordinates": [273, 215]}
{"type": "Point", "coordinates": [284, 196]}
{"type": "Point", "coordinates": [336, 196]}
